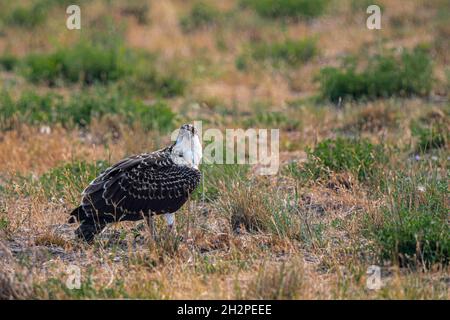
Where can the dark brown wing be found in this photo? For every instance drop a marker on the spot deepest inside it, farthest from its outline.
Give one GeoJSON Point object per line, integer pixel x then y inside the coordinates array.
{"type": "Point", "coordinates": [141, 184]}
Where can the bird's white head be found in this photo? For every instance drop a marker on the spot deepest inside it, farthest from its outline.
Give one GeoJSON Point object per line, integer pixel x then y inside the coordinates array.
{"type": "Point", "coordinates": [187, 149]}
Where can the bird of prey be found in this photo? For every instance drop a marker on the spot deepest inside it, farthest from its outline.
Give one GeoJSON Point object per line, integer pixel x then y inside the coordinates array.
{"type": "Point", "coordinates": [142, 186]}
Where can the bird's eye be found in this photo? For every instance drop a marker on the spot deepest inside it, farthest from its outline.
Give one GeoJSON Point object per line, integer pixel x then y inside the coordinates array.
{"type": "Point", "coordinates": [180, 155]}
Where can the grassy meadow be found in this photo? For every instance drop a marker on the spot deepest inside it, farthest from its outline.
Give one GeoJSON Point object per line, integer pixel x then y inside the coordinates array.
{"type": "Point", "coordinates": [364, 119]}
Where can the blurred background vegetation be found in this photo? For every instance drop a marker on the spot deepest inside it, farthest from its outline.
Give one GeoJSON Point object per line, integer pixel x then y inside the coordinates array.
{"type": "Point", "coordinates": [219, 54]}
{"type": "Point", "coordinates": [363, 114]}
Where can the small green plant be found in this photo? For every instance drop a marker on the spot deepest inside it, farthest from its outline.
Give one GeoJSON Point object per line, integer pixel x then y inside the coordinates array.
{"type": "Point", "coordinates": [147, 79]}
{"type": "Point", "coordinates": [102, 63]}
{"type": "Point", "coordinates": [157, 116]}
{"type": "Point", "coordinates": [29, 108]}
{"type": "Point", "coordinates": [4, 223]}
{"type": "Point", "coordinates": [385, 76]}
{"type": "Point", "coordinates": [288, 52]}
{"type": "Point", "coordinates": [202, 14]}
{"type": "Point", "coordinates": [29, 14]}
{"type": "Point", "coordinates": [28, 17]}
{"type": "Point", "coordinates": [357, 156]}
{"type": "Point", "coordinates": [8, 62]}
{"type": "Point", "coordinates": [85, 62]}
{"type": "Point", "coordinates": [415, 227]}
{"type": "Point", "coordinates": [241, 62]}
{"type": "Point", "coordinates": [294, 9]}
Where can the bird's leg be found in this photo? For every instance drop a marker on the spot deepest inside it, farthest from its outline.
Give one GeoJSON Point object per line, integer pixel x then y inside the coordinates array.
{"type": "Point", "coordinates": [170, 219]}
{"type": "Point", "coordinates": [151, 226]}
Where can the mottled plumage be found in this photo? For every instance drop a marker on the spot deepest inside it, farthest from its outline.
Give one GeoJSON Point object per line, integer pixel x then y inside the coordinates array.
{"type": "Point", "coordinates": [141, 186]}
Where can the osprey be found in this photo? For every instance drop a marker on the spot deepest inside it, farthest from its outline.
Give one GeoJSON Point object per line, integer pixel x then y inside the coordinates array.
{"type": "Point", "coordinates": [142, 186]}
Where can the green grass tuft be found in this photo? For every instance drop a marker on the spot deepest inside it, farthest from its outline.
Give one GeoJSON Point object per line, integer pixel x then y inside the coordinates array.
{"type": "Point", "coordinates": [357, 156]}
{"type": "Point", "coordinates": [415, 227]}
{"type": "Point", "coordinates": [28, 16]}
{"type": "Point", "coordinates": [102, 63]}
{"type": "Point", "coordinates": [8, 62]}
{"type": "Point", "coordinates": [385, 76]}
{"type": "Point", "coordinates": [85, 62]}
{"type": "Point", "coordinates": [147, 79]}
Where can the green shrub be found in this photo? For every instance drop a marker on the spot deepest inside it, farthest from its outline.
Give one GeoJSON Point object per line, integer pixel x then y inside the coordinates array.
{"type": "Point", "coordinates": [241, 63]}
{"type": "Point", "coordinates": [168, 85]}
{"type": "Point", "coordinates": [4, 223]}
{"type": "Point", "coordinates": [28, 17]}
{"type": "Point", "coordinates": [81, 108]}
{"type": "Point", "coordinates": [296, 9]}
{"type": "Point", "coordinates": [357, 156]}
{"type": "Point", "coordinates": [149, 80]}
{"type": "Point", "coordinates": [29, 14]}
{"type": "Point", "coordinates": [103, 62]}
{"type": "Point", "coordinates": [8, 62]}
{"type": "Point", "coordinates": [289, 52]}
{"type": "Point", "coordinates": [202, 14]}
{"type": "Point", "coordinates": [30, 108]}
{"type": "Point", "coordinates": [42, 67]}
{"type": "Point", "coordinates": [85, 62]}
{"type": "Point", "coordinates": [157, 116]}
{"type": "Point", "coordinates": [415, 227]}
{"type": "Point", "coordinates": [385, 76]}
